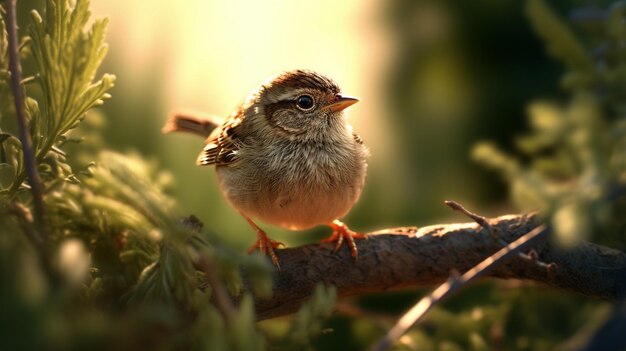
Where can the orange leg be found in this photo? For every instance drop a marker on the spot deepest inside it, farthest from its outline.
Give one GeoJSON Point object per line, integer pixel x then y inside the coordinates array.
{"type": "Point", "coordinates": [263, 243]}
{"type": "Point", "coordinates": [341, 232]}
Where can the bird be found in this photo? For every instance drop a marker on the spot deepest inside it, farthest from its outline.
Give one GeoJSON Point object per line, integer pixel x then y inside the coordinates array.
{"type": "Point", "coordinates": [286, 156]}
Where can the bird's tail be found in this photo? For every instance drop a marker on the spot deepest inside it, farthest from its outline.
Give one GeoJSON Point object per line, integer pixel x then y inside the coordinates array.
{"type": "Point", "coordinates": [195, 123]}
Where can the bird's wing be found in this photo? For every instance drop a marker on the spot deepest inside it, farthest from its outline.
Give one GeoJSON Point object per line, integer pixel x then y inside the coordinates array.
{"type": "Point", "coordinates": [223, 144]}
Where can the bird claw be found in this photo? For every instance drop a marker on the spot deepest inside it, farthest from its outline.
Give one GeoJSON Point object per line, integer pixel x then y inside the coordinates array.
{"type": "Point", "coordinates": [263, 243]}
{"type": "Point", "coordinates": [342, 233]}
{"type": "Point", "coordinates": [266, 246]}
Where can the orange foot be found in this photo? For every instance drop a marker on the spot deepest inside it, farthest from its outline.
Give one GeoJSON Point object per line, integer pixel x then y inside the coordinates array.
{"type": "Point", "coordinates": [266, 246]}
{"type": "Point", "coordinates": [341, 232]}
{"type": "Point", "coordinates": [263, 243]}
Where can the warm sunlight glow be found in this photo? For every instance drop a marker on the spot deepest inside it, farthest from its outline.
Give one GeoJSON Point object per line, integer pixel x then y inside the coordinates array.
{"type": "Point", "coordinates": [211, 54]}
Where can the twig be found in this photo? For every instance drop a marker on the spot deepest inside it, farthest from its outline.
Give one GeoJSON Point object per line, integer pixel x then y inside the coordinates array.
{"type": "Point", "coordinates": [18, 98]}
{"type": "Point", "coordinates": [484, 222]}
{"type": "Point", "coordinates": [453, 285]}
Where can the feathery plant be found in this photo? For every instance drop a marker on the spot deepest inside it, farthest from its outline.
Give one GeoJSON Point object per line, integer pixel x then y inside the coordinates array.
{"type": "Point", "coordinates": [130, 273]}
{"type": "Point", "coordinates": [575, 168]}
{"type": "Point", "coordinates": [133, 277]}
{"type": "Point", "coordinates": [67, 61]}
{"type": "Point", "coordinates": [67, 58]}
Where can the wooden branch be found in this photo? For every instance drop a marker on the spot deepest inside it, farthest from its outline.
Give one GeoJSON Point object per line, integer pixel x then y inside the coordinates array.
{"type": "Point", "coordinates": [456, 283]}
{"type": "Point", "coordinates": [407, 257]}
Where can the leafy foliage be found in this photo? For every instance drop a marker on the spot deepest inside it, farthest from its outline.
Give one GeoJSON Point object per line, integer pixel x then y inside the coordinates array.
{"type": "Point", "coordinates": [67, 60]}
{"type": "Point", "coordinates": [127, 269]}
{"type": "Point", "coordinates": [575, 169]}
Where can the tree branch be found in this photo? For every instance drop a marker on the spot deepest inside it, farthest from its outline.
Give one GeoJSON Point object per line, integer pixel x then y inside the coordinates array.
{"type": "Point", "coordinates": [455, 283]}
{"type": "Point", "coordinates": [27, 146]}
{"type": "Point", "coordinates": [424, 257]}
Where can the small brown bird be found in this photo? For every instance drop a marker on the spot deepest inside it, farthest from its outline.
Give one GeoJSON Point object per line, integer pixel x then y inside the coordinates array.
{"type": "Point", "coordinates": [287, 156]}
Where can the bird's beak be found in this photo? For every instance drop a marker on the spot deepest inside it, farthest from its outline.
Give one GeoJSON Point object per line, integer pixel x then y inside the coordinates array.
{"type": "Point", "coordinates": [341, 102]}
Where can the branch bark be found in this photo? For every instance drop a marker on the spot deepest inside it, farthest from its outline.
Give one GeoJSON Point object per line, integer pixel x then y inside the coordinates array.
{"type": "Point", "coordinates": [407, 257]}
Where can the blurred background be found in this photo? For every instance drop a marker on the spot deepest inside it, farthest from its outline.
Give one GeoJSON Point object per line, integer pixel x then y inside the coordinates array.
{"type": "Point", "coordinates": [433, 79]}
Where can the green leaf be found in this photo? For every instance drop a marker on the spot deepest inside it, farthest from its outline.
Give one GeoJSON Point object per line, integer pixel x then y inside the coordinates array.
{"type": "Point", "coordinates": [67, 58]}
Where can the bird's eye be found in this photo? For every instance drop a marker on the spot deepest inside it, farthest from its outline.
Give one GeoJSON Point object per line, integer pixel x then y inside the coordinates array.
{"type": "Point", "coordinates": [305, 102]}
